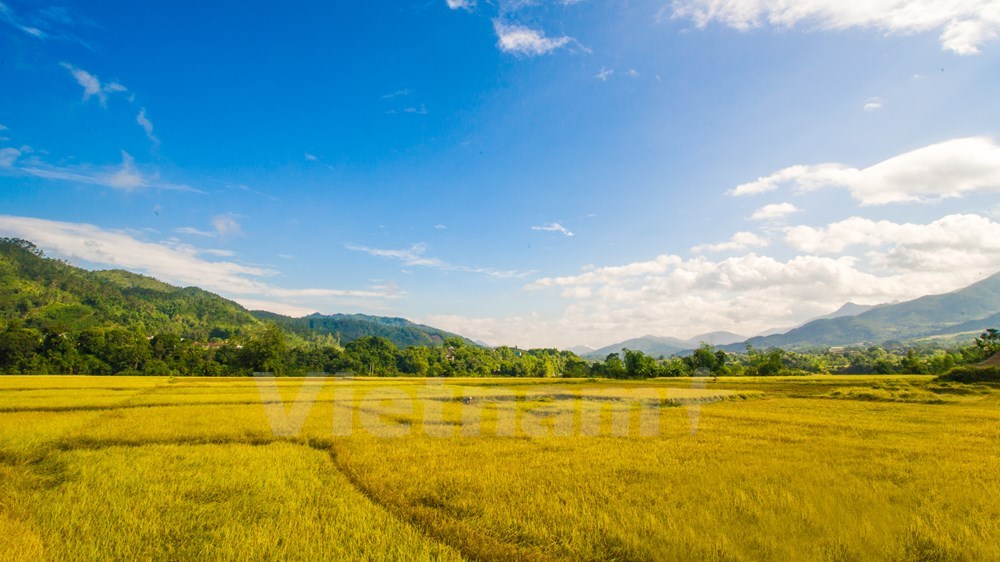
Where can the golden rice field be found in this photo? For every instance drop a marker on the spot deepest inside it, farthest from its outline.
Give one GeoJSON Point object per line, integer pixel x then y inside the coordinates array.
{"type": "Point", "coordinates": [813, 468]}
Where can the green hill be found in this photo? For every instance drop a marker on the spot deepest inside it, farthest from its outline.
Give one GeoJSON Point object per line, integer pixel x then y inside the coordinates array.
{"type": "Point", "coordinates": [350, 327]}
{"type": "Point", "coordinates": [52, 295]}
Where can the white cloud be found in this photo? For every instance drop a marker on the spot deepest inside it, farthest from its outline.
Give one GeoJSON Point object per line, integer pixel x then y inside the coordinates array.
{"type": "Point", "coordinates": [739, 241]}
{"type": "Point", "coordinates": [872, 104]}
{"type": "Point", "coordinates": [951, 242]}
{"type": "Point", "coordinates": [8, 156]}
{"type": "Point", "coordinates": [146, 125]}
{"type": "Point", "coordinates": [227, 225]}
{"type": "Point", "coordinates": [553, 227]}
{"type": "Point", "coordinates": [404, 92]}
{"type": "Point", "coordinates": [311, 157]}
{"type": "Point", "coordinates": [746, 294]}
{"type": "Point", "coordinates": [773, 211]}
{"type": "Point", "coordinates": [277, 307]}
{"type": "Point", "coordinates": [604, 74]}
{"type": "Point", "coordinates": [632, 73]}
{"type": "Point", "coordinates": [8, 15]}
{"type": "Point", "coordinates": [944, 170]}
{"type": "Point", "coordinates": [3, 127]}
{"type": "Point", "coordinates": [964, 25]}
{"type": "Point", "coordinates": [524, 41]}
{"type": "Point", "coordinates": [414, 256]}
{"type": "Point", "coordinates": [194, 231]}
{"type": "Point", "coordinates": [170, 261]}
{"type": "Point", "coordinates": [92, 85]}
{"type": "Point", "coordinates": [461, 4]}
{"type": "Point", "coordinates": [125, 177]}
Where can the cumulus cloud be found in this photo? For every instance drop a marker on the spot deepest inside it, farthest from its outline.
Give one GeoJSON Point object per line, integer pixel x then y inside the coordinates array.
{"type": "Point", "coordinates": [669, 295]}
{"type": "Point", "coordinates": [169, 261]}
{"type": "Point", "coordinates": [773, 211]}
{"type": "Point", "coordinates": [415, 256]}
{"type": "Point", "coordinates": [524, 41]}
{"type": "Point", "coordinates": [553, 227]}
{"type": "Point", "coordinates": [954, 241]}
{"type": "Point", "coordinates": [964, 26]}
{"type": "Point", "coordinates": [739, 241]}
{"type": "Point", "coordinates": [461, 4]}
{"type": "Point", "coordinates": [938, 171]}
{"type": "Point", "coordinates": [91, 85]}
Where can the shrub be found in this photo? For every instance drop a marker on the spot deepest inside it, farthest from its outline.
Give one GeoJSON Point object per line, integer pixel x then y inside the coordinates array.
{"type": "Point", "coordinates": [972, 373]}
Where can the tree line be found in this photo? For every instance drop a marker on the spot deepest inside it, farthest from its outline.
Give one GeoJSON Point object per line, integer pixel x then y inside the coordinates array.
{"type": "Point", "coordinates": [121, 351]}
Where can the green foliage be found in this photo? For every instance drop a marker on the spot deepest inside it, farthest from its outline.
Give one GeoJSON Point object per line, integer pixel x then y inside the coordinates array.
{"type": "Point", "coordinates": [345, 328]}
{"type": "Point", "coordinates": [989, 343]}
{"type": "Point", "coordinates": [973, 374]}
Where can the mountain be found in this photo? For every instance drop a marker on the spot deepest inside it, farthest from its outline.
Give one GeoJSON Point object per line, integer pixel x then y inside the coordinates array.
{"type": "Point", "coordinates": [847, 309]}
{"type": "Point", "coordinates": [650, 345]}
{"type": "Point", "coordinates": [51, 294]}
{"type": "Point", "coordinates": [969, 309]}
{"type": "Point", "coordinates": [659, 345]}
{"type": "Point", "coordinates": [349, 327]}
{"type": "Point", "coordinates": [716, 338]}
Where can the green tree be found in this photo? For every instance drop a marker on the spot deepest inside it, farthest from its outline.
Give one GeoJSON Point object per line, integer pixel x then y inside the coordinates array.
{"type": "Point", "coordinates": [989, 343]}
{"type": "Point", "coordinates": [265, 351]}
{"type": "Point", "coordinates": [372, 355]}
{"type": "Point", "coordinates": [638, 365]}
{"type": "Point", "coordinates": [18, 346]}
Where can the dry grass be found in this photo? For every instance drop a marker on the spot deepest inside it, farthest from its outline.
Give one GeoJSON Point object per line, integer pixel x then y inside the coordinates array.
{"type": "Point", "coordinates": [818, 468]}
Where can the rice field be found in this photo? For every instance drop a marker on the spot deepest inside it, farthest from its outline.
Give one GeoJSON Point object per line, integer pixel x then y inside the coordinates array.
{"type": "Point", "coordinates": [813, 468]}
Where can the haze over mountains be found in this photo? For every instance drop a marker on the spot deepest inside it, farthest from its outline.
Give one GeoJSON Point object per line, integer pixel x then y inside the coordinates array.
{"type": "Point", "coordinates": [657, 345]}
{"type": "Point", "coordinates": [961, 313]}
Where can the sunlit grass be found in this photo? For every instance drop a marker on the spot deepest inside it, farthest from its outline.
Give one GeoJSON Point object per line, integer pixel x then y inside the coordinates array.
{"type": "Point", "coordinates": [815, 468]}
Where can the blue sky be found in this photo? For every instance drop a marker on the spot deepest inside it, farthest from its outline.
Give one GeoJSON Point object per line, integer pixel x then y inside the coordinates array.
{"type": "Point", "coordinates": [539, 173]}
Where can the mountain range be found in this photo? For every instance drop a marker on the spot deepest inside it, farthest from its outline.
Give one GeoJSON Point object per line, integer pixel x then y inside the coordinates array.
{"type": "Point", "coordinates": [658, 345]}
{"type": "Point", "coordinates": [955, 316]}
{"type": "Point", "coordinates": [52, 295]}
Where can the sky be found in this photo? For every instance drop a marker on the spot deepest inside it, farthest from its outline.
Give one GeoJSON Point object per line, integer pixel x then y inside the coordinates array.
{"type": "Point", "coordinates": [522, 172]}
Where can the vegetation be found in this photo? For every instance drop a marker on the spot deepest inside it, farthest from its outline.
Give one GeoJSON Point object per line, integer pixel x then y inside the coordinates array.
{"type": "Point", "coordinates": [817, 468]}
{"type": "Point", "coordinates": [55, 318]}
{"type": "Point", "coordinates": [973, 374]}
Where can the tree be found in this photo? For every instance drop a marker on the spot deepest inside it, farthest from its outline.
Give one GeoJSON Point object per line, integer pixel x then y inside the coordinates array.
{"type": "Point", "coordinates": [705, 357]}
{"type": "Point", "coordinates": [125, 350]}
{"type": "Point", "coordinates": [613, 367]}
{"type": "Point", "coordinates": [989, 343]}
{"type": "Point", "coordinates": [414, 361]}
{"type": "Point", "coordinates": [765, 363]}
{"type": "Point", "coordinates": [18, 347]}
{"type": "Point", "coordinates": [266, 350]}
{"type": "Point", "coordinates": [639, 365]}
{"type": "Point", "coordinates": [372, 355]}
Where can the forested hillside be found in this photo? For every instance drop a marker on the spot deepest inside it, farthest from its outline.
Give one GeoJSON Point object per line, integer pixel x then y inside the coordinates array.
{"type": "Point", "coordinates": [349, 327]}
{"type": "Point", "coordinates": [53, 296]}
